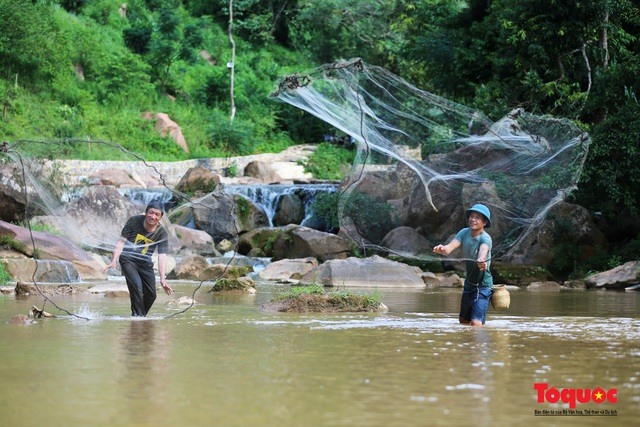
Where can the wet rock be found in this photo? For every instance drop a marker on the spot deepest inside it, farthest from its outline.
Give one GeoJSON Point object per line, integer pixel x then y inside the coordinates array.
{"type": "Point", "coordinates": [288, 269]}
{"type": "Point", "coordinates": [241, 285]}
{"type": "Point", "coordinates": [544, 286]}
{"type": "Point", "coordinates": [618, 278]}
{"type": "Point", "coordinates": [368, 272]}
{"type": "Point", "coordinates": [20, 319]}
{"type": "Point", "coordinates": [302, 242]}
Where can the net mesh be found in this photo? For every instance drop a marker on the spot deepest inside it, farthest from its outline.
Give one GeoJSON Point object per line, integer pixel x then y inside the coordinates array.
{"type": "Point", "coordinates": [422, 160]}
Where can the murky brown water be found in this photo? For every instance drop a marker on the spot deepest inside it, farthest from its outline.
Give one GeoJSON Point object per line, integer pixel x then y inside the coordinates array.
{"type": "Point", "coordinates": [226, 362]}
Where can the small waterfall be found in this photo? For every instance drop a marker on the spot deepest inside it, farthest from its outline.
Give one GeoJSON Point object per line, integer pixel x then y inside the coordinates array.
{"type": "Point", "coordinates": [264, 195]}
{"type": "Point", "coordinates": [267, 196]}
{"type": "Point", "coordinates": [143, 196]}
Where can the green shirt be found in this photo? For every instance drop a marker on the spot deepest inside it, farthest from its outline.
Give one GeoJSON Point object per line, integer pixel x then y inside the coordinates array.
{"type": "Point", "coordinates": [470, 248]}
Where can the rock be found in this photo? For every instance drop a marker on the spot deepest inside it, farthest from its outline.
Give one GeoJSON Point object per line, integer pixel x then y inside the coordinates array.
{"type": "Point", "coordinates": [226, 216]}
{"type": "Point", "coordinates": [263, 171]}
{"type": "Point", "coordinates": [225, 246]}
{"type": "Point", "coordinates": [328, 302]}
{"type": "Point", "coordinates": [450, 280]}
{"type": "Point", "coordinates": [287, 269]}
{"type": "Point", "coordinates": [189, 239]}
{"type": "Point", "coordinates": [190, 268]}
{"type": "Point", "coordinates": [164, 126]}
{"type": "Point", "coordinates": [544, 286]}
{"type": "Point", "coordinates": [56, 248]}
{"type": "Point", "coordinates": [241, 285]}
{"type": "Point", "coordinates": [261, 239]}
{"type": "Point", "coordinates": [116, 294]}
{"type": "Point", "coordinates": [430, 279]}
{"type": "Point", "coordinates": [115, 178]}
{"type": "Point", "coordinates": [302, 242]}
{"type": "Point", "coordinates": [22, 289]}
{"type": "Point", "coordinates": [518, 274]}
{"type": "Point", "coordinates": [182, 301]}
{"type": "Point", "coordinates": [618, 278]}
{"type": "Point", "coordinates": [20, 319]}
{"type": "Point", "coordinates": [289, 210]}
{"type": "Point", "coordinates": [196, 267]}
{"type": "Point", "coordinates": [406, 240]}
{"type": "Point", "coordinates": [198, 181]}
{"type": "Point", "coordinates": [12, 199]}
{"type": "Point", "coordinates": [94, 219]}
{"type": "Point", "coordinates": [368, 272]}
{"type": "Point", "coordinates": [565, 224]}
{"type": "Point", "coordinates": [48, 271]}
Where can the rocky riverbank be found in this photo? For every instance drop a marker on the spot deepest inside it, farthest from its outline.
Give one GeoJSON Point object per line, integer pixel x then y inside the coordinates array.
{"type": "Point", "coordinates": [202, 228]}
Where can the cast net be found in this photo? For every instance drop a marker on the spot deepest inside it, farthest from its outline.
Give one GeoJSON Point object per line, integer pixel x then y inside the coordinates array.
{"type": "Point", "coordinates": [422, 160]}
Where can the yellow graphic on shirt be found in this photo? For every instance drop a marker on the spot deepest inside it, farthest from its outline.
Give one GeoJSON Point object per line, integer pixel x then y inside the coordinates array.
{"type": "Point", "coordinates": [143, 241]}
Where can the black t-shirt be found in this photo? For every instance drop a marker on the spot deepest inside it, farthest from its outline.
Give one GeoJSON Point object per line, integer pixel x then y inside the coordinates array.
{"type": "Point", "coordinates": [140, 243]}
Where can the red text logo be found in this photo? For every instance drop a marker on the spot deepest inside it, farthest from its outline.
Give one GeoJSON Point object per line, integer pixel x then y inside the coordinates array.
{"type": "Point", "coordinates": [574, 395]}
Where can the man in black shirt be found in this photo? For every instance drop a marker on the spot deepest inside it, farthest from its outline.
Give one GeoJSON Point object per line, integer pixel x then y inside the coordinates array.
{"type": "Point", "coordinates": [139, 238]}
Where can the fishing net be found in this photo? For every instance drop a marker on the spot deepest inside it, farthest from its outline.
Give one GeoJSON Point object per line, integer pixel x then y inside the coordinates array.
{"type": "Point", "coordinates": [422, 160]}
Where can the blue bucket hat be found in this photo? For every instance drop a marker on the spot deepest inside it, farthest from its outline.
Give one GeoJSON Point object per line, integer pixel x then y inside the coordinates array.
{"type": "Point", "coordinates": [482, 209]}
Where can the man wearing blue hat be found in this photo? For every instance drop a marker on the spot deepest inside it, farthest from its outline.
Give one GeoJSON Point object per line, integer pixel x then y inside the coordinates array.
{"type": "Point", "coordinates": [476, 250]}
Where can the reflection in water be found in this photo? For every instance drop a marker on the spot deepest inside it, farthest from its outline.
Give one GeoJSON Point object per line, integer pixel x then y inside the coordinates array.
{"type": "Point", "coordinates": [144, 358]}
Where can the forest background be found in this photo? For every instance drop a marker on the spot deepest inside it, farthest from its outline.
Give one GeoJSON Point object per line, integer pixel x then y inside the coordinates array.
{"type": "Point", "coordinates": [77, 71]}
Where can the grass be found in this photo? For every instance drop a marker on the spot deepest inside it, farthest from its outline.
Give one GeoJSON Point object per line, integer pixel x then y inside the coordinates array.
{"type": "Point", "coordinates": [314, 298]}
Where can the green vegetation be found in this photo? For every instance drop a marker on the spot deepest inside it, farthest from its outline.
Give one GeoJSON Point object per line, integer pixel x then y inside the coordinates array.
{"type": "Point", "coordinates": [235, 284]}
{"type": "Point", "coordinates": [330, 161]}
{"type": "Point", "coordinates": [313, 298]}
{"type": "Point", "coordinates": [5, 277]}
{"type": "Point", "coordinates": [10, 243]}
{"type": "Point", "coordinates": [372, 218]}
{"type": "Point", "coordinates": [78, 77]}
{"type": "Point", "coordinates": [325, 208]}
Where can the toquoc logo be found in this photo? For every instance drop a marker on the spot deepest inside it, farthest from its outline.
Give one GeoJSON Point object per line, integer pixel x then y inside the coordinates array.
{"type": "Point", "coordinates": [574, 395]}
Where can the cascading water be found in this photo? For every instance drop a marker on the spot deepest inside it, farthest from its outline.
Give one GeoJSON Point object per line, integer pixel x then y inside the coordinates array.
{"type": "Point", "coordinates": [268, 196]}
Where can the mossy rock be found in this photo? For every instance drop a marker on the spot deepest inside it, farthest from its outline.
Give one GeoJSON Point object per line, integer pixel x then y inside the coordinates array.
{"type": "Point", "coordinates": [326, 303]}
{"type": "Point", "coordinates": [242, 285]}
{"type": "Point", "coordinates": [519, 274]}
{"type": "Point", "coordinates": [223, 271]}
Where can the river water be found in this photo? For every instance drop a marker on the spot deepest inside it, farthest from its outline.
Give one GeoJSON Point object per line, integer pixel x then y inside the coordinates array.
{"type": "Point", "coordinates": [226, 362]}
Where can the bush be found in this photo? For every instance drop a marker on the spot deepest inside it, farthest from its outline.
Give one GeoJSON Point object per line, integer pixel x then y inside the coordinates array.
{"type": "Point", "coordinates": [5, 278]}
{"type": "Point", "coordinates": [330, 161]}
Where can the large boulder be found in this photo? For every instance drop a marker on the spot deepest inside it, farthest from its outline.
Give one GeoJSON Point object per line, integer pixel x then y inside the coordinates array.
{"type": "Point", "coordinates": [303, 242]}
{"type": "Point", "coordinates": [289, 210]}
{"type": "Point", "coordinates": [288, 269]}
{"type": "Point", "coordinates": [198, 181]}
{"type": "Point", "coordinates": [406, 240]}
{"type": "Point", "coordinates": [263, 171]}
{"type": "Point", "coordinates": [165, 126]}
{"type": "Point", "coordinates": [190, 240]}
{"type": "Point", "coordinates": [368, 272]}
{"type": "Point", "coordinates": [566, 225]}
{"type": "Point", "coordinates": [115, 178]}
{"type": "Point", "coordinates": [44, 270]}
{"type": "Point", "coordinates": [196, 267]}
{"type": "Point", "coordinates": [518, 274]}
{"type": "Point", "coordinates": [620, 277]}
{"type": "Point", "coordinates": [96, 218]}
{"type": "Point", "coordinates": [226, 216]}
{"type": "Point", "coordinates": [13, 202]}
{"type": "Point", "coordinates": [52, 247]}
{"type": "Point", "coordinates": [260, 239]}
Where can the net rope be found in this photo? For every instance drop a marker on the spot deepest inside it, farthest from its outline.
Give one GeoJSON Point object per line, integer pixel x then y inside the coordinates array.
{"type": "Point", "coordinates": [519, 166]}
{"type": "Point", "coordinates": [40, 196]}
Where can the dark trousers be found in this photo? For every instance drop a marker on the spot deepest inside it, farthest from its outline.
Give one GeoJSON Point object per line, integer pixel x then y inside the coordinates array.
{"type": "Point", "coordinates": [141, 281]}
